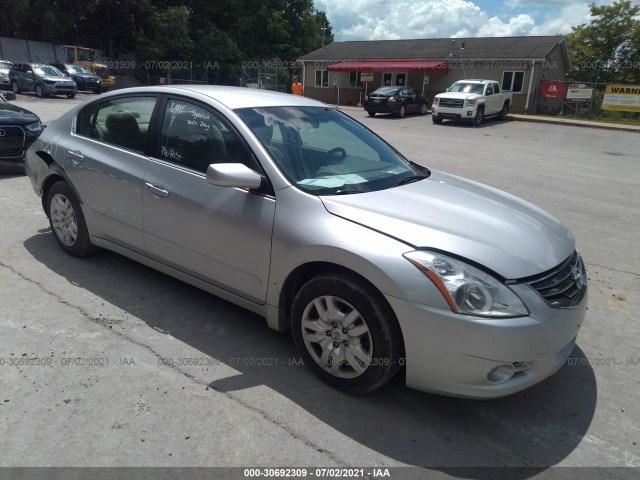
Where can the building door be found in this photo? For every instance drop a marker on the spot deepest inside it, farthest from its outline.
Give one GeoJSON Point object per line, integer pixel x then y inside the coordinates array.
{"type": "Point", "coordinates": [386, 79]}
{"type": "Point", "coordinates": [401, 79]}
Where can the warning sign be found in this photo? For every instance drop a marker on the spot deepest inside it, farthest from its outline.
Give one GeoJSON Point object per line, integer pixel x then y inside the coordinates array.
{"type": "Point", "coordinates": [555, 90]}
{"type": "Point", "coordinates": [623, 98]}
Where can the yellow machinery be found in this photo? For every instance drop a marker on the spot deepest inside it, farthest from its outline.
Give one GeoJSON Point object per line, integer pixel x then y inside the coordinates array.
{"type": "Point", "coordinates": [84, 57]}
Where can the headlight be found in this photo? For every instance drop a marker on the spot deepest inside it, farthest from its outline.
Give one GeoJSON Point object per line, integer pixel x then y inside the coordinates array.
{"type": "Point", "coordinates": [436, 101]}
{"type": "Point", "coordinates": [467, 289]}
{"type": "Point", "coordinates": [471, 102]}
{"type": "Point", "coordinates": [33, 127]}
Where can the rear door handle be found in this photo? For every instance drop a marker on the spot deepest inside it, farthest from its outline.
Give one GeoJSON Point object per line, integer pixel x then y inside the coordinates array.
{"type": "Point", "coordinates": [156, 189]}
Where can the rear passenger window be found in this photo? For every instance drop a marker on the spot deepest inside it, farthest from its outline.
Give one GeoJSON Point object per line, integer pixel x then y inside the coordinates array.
{"type": "Point", "coordinates": [123, 122]}
{"type": "Point", "coordinates": [195, 138]}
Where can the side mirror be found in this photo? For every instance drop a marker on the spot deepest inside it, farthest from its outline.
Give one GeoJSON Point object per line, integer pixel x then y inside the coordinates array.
{"type": "Point", "coordinates": [235, 175]}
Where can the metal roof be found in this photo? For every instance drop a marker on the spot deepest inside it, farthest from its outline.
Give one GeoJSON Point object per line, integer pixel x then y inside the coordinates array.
{"type": "Point", "coordinates": [493, 48]}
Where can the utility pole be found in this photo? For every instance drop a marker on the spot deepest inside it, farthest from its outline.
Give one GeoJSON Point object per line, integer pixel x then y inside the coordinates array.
{"type": "Point", "coordinates": [323, 28]}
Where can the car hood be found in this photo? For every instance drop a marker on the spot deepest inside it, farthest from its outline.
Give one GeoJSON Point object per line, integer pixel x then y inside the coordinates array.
{"type": "Point", "coordinates": [505, 234]}
{"type": "Point", "coordinates": [58, 79]}
{"type": "Point", "coordinates": [13, 114]}
{"type": "Point", "coordinates": [458, 95]}
{"type": "Point", "coordinates": [87, 76]}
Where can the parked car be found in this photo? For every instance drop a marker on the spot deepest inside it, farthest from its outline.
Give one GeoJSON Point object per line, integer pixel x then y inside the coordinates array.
{"type": "Point", "coordinates": [292, 209]}
{"type": "Point", "coordinates": [45, 80]}
{"type": "Point", "coordinates": [85, 80]}
{"type": "Point", "coordinates": [396, 100]}
{"type": "Point", "coordinates": [5, 66]}
{"type": "Point", "coordinates": [472, 100]}
{"type": "Point", "coordinates": [19, 128]}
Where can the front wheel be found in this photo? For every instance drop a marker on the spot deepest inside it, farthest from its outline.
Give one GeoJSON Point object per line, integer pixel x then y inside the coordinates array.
{"type": "Point", "coordinates": [371, 114]}
{"type": "Point", "coordinates": [14, 86]}
{"type": "Point", "coordinates": [40, 91]}
{"type": "Point", "coordinates": [71, 95]}
{"type": "Point", "coordinates": [423, 109]}
{"type": "Point", "coordinates": [479, 117]}
{"type": "Point", "coordinates": [347, 332]}
{"type": "Point", "coordinates": [435, 119]}
{"type": "Point", "coordinates": [67, 221]}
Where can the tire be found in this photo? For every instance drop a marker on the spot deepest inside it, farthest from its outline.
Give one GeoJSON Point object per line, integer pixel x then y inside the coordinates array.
{"type": "Point", "coordinates": [424, 108]}
{"type": "Point", "coordinates": [375, 334]}
{"type": "Point", "coordinates": [40, 92]}
{"type": "Point", "coordinates": [71, 95]}
{"type": "Point", "coordinates": [14, 86]}
{"type": "Point", "coordinates": [67, 221]}
{"type": "Point", "coordinates": [371, 114]}
{"type": "Point", "coordinates": [504, 112]}
{"type": "Point", "coordinates": [402, 111]}
{"type": "Point", "coordinates": [479, 117]}
{"type": "Point", "coordinates": [435, 119]}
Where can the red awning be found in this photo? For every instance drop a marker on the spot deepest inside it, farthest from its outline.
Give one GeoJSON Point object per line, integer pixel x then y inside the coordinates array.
{"type": "Point", "coordinates": [390, 66]}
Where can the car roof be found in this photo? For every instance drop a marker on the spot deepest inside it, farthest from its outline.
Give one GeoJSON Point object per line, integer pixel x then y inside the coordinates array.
{"type": "Point", "coordinates": [232, 97]}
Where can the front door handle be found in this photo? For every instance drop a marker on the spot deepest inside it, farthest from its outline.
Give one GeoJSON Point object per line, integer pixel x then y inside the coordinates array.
{"type": "Point", "coordinates": [156, 189]}
{"type": "Point", "coordinates": [76, 157]}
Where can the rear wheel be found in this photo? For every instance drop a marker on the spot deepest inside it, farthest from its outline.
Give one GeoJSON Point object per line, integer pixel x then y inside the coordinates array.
{"type": "Point", "coordinates": [505, 111]}
{"type": "Point", "coordinates": [67, 221]}
{"type": "Point", "coordinates": [347, 333]}
{"type": "Point", "coordinates": [402, 111]}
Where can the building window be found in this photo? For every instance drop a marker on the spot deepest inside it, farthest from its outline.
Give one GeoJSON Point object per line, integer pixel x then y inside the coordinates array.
{"type": "Point", "coordinates": [354, 80]}
{"type": "Point", "coordinates": [513, 81]}
{"type": "Point", "coordinates": [322, 78]}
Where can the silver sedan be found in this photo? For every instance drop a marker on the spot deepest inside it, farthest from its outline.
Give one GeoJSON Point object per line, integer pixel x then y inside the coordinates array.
{"type": "Point", "coordinates": [295, 211]}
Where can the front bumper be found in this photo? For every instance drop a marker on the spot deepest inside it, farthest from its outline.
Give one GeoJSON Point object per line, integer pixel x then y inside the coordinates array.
{"type": "Point", "coordinates": [449, 113]}
{"type": "Point", "coordinates": [465, 356]}
{"type": "Point", "coordinates": [61, 88]}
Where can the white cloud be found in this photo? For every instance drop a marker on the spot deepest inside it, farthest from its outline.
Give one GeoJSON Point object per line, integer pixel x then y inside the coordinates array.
{"type": "Point", "coordinates": [381, 19]}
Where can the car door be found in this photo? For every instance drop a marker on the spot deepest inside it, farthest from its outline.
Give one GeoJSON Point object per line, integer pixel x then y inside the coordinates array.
{"type": "Point", "coordinates": [491, 100]}
{"type": "Point", "coordinates": [412, 100]}
{"type": "Point", "coordinates": [221, 235]}
{"type": "Point", "coordinates": [106, 164]}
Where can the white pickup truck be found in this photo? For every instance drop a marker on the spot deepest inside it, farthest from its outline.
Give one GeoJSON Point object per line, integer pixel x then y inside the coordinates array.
{"type": "Point", "coordinates": [472, 100]}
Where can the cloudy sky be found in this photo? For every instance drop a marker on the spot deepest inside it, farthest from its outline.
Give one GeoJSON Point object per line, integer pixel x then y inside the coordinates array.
{"type": "Point", "coordinates": [386, 19]}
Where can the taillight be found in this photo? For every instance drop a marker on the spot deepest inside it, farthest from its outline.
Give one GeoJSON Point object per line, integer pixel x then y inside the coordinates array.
{"type": "Point", "coordinates": [366, 98]}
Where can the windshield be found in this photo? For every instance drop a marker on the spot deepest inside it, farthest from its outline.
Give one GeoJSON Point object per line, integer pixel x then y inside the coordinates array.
{"type": "Point", "coordinates": [386, 91]}
{"type": "Point", "coordinates": [323, 151]}
{"type": "Point", "coordinates": [48, 71]}
{"type": "Point", "coordinates": [467, 87]}
{"type": "Point", "coordinates": [76, 69]}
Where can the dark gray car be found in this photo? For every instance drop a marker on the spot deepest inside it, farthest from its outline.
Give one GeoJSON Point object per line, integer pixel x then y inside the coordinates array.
{"type": "Point", "coordinates": [85, 80]}
{"type": "Point", "coordinates": [44, 80]}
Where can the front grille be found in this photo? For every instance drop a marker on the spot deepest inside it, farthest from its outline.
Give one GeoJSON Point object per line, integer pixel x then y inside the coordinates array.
{"type": "Point", "coordinates": [11, 142]}
{"type": "Point", "coordinates": [451, 102]}
{"type": "Point", "coordinates": [565, 286]}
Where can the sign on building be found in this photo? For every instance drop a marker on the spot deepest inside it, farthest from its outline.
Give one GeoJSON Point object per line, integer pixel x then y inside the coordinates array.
{"type": "Point", "coordinates": [624, 98]}
{"type": "Point", "coordinates": [578, 92]}
{"type": "Point", "coordinates": [366, 77]}
{"type": "Point", "coordinates": [554, 90]}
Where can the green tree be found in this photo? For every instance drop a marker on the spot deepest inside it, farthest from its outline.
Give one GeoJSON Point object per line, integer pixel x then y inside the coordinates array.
{"type": "Point", "coordinates": [606, 49]}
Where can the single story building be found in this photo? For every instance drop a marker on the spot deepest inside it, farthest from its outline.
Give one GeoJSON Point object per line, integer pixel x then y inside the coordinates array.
{"type": "Point", "coordinates": [343, 72]}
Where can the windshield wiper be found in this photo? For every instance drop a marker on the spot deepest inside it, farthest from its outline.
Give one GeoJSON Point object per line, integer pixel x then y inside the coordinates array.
{"type": "Point", "coordinates": [409, 179]}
